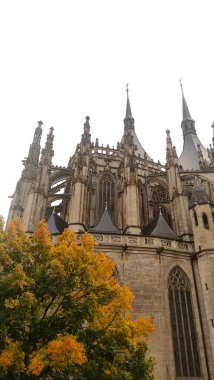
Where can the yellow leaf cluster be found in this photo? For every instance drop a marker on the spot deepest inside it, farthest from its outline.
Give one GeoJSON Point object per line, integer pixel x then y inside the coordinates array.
{"type": "Point", "coordinates": [15, 235]}
{"type": "Point", "coordinates": [13, 356]}
{"type": "Point", "coordinates": [58, 268]}
{"type": "Point", "coordinates": [65, 352]}
{"type": "Point", "coordinates": [114, 311]}
{"type": "Point", "coordinates": [11, 303]}
{"type": "Point", "coordinates": [37, 362]}
{"type": "Point", "coordinates": [60, 354]}
{"type": "Point", "coordinates": [42, 235]}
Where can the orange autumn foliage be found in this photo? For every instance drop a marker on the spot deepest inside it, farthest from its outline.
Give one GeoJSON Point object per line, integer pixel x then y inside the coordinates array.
{"type": "Point", "coordinates": [60, 301]}
{"type": "Point", "coordinates": [64, 352]}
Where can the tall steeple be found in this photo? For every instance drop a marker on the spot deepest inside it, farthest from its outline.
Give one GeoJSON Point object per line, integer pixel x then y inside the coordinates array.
{"type": "Point", "coordinates": [28, 176]}
{"type": "Point", "coordinates": [129, 129]}
{"type": "Point", "coordinates": [129, 120]}
{"type": "Point", "coordinates": [47, 152]}
{"type": "Point", "coordinates": [187, 124]}
{"type": "Point", "coordinates": [32, 160]}
{"type": "Point", "coordinates": [189, 159]}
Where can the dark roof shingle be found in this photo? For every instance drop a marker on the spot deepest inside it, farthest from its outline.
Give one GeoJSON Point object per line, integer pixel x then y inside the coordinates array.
{"type": "Point", "coordinates": [160, 228]}
{"type": "Point", "coordinates": [105, 225]}
{"type": "Point", "coordinates": [56, 224]}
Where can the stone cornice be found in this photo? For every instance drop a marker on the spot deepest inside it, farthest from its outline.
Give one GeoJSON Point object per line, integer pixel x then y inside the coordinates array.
{"type": "Point", "coordinates": [142, 243]}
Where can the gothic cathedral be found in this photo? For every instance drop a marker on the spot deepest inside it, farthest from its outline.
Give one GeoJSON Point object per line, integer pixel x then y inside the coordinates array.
{"type": "Point", "coordinates": [155, 221]}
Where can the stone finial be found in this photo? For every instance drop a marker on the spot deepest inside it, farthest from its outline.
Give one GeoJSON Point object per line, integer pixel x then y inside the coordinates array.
{"type": "Point", "coordinates": [40, 123]}
{"type": "Point", "coordinates": [212, 126]}
{"type": "Point", "coordinates": [87, 125]}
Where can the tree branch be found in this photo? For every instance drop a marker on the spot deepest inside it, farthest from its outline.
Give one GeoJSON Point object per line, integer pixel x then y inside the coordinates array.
{"type": "Point", "coordinates": [47, 308]}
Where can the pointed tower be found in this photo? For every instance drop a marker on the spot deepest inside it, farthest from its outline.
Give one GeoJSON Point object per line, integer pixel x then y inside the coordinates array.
{"type": "Point", "coordinates": [78, 204]}
{"type": "Point", "coordinates": [211, 150]}
{"type": "Point", "coordinates": [202, 216]}
{"type": "Point", "coordinates": [37, 196]}
{"type": "Point", "coordinates": [189, 159]}
{"type": "Point", "coordinates": [179, 204]}
{"type": "Point", "coordinates": [129, 129]}
{"type": "Point", "coordinates": [28, 175]}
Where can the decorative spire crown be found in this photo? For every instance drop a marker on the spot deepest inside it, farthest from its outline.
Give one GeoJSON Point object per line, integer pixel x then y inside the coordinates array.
{"type": "Point", "coordinates": [128, 107]}
{"type": "Point", "coordinates": [186, 113]}
{"type": "Point", "coordinates": [47, 152]}
{"type": "Point", "coordinates": [129, 120]}
{"type": "Point", "coordinates": [187, 124]}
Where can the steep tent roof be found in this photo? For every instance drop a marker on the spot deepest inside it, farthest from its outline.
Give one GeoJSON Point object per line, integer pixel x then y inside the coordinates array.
{"type": "Point", "coordinates": [105, 225]}
{"type": "Point", "coordinates": [199, 196]}
{"type": "Point", "coordinates": [160, 228]}
{"type": "Point", "coordinates": [189, 159]}
{"type": "Point", "coordinates": [189, 156]}
{"type": "Point", "coordinates": [56, 224]}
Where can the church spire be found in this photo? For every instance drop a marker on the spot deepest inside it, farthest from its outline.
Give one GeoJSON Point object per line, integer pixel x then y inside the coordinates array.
{"type": "Point", "coordinates": [32, 160]}
{"type": "Point", "coordinates": [47, 152]}
{"type": "Point", "coordinates": [189, 159]}
{"type": "Point", "coordinates": [129, 120]}
{"type": "Point", "coordinates": [128, 107]}
{"type": "Point", "coordinates": [187, 124]}
{"type": "Point", "coordinates": [186, 113]}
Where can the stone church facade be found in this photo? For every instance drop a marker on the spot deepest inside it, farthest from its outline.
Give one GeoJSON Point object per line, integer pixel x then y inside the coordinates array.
{"type": "Point", "coordinates": [155, 221]}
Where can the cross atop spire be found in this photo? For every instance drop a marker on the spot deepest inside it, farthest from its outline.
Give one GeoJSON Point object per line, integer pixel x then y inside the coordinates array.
{"type": "Point", "coordinates": [128, 107]}
{"type": "Point", "coordinates": [129, 120]}
{"type": "Point", "coordinates": [186, 113]}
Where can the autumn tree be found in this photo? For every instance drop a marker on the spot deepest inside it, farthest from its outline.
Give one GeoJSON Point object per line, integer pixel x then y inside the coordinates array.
{"type": "Point", "coordinates": [63, 314]}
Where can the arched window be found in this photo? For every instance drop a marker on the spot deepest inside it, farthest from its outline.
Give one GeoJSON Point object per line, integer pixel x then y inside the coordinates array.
{"type": "Point", "coordinates": [205, 221]}
{"type": "Point", "coordinates": [106, 194]}
{"type": "Point", "coordinates": [143, 206]}
{"type": "Point", "coordinates": [195, 218]}
{"type": "Point", "coordinates": [183, 325]}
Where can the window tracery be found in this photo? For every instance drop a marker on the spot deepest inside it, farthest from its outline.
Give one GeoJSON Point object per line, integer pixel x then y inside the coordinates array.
{"type": "Point", "coordinates": [159, 193]}
{"type": "Point", "coordinates": [106, 195]}
{"type": "Point", "coordinates": [185, 347]}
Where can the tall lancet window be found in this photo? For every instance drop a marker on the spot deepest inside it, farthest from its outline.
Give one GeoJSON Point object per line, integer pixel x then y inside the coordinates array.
{"type": "Point", "coordinates": [106, 194]}
{"type": "Point", "coordinates": [183, 326]}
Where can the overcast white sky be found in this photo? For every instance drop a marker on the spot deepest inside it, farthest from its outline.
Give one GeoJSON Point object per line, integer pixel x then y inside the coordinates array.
{"type": "Point", "coordinates": [63, 60]}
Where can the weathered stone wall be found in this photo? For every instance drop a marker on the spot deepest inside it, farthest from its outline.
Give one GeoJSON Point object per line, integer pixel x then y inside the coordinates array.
{"type": "Point", "coordinates": [144, 264]}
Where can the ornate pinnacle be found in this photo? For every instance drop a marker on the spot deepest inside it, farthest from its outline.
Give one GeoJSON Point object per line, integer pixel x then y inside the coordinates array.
{"type": "Point", "coordinates": [40, 123]}
{"type": "Point", "coordinates": [212, 126]}
{"type": "Point", "coordinates": [127, 88]}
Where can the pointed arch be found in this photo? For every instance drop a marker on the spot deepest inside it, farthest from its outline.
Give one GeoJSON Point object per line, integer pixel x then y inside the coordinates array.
{"type": "Point", "coordinates": [195, 218]}
{"type": "Point", "coordinates": [106, 193]}
{"type": "Point", "coordinates": [143, 204]}
{"type": "Point", "coordinates": [205, 221]}
{"type": "Point", "coordinates": [185, 346]}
